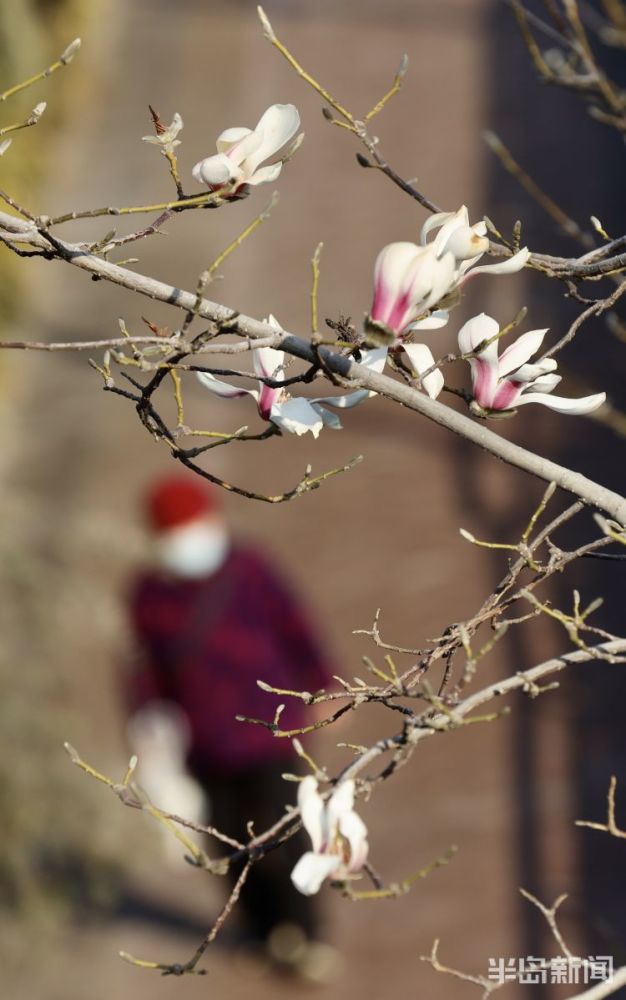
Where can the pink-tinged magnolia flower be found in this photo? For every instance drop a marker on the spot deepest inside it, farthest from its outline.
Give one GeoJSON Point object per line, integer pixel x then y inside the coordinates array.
{"type": "Point", "coordinates": [295, 415]}
{"type": "Point", "coordinates": [338, 836]}
{"type": "Point", "coordinates": [410, 279]}
{"type": "Point", "coordinates": [241, 151]}
{"type": "Point", "coordinates": [507, 381]}
{"type": "Point", "coordinates": [407, 282]}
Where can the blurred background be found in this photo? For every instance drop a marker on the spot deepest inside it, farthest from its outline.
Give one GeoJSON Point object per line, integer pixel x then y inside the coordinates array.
{"type": "Point", "coordinates": [81, 877]}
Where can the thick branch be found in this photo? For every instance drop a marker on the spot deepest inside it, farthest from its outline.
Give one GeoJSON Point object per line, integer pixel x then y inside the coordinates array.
{"type": "Point", "coordinates": [572, 482]}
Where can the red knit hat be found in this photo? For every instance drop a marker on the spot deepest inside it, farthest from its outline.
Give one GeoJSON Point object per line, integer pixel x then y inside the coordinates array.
{"type": "Point", "coordinates": [178, 499]}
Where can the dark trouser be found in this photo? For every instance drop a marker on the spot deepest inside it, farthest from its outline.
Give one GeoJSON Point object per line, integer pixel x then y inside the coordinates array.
{"type": "Point", "coordinates": [268, 897]}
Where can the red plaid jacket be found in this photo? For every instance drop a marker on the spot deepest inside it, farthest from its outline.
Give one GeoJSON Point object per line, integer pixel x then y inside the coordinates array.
{"type": "Point", "coordinates": [203, 643]}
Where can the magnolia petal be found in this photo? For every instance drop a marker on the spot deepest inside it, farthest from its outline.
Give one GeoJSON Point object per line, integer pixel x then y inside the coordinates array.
{"type": "Point", "coordinates": [442, 278]}
{"type": "Point", "coordinates": [518, 353]}
{"type": "Point", "coordinates": [293, 147]}
{"type": "Point", "coordinates": [530, 372]}
{"type": "Point", "coordinates": [575, 407]}
{"type": "Point", "coordinates": [267, 362]}
{"type": "Point", "coordinates": [311, 870]}
{"type": "Point", "coordinates": [459, 221]}
{"type": "Point", "coordinates": [546, 383]}
{"type": "Point", "coordinates": [267, 400]}
{"type": "Point", "coordinates": [422, 359]}
{"type": "Point", "coordinates": [167, 140]}
{"type": "Point", "coordinates": [390, 270]}
{"type": "Point", "coordinates": [485, 381]}
{"type": "Point", "coordinates": [330, 420]}
{"type": "Point", "coordinates": [265, 175]}
{"type": "Point", "coordinates": [441, 219]}
{"type": "Point", "coordinates": [466, 244]}
{"type": "Point", "coordinates": [504, 396]}
{"type": "Point", "coordinates": [229, 137]}
{"type": "Point", "coordinates": [352, 827]}
{"type": "Point", "coordinates": [175, 126]}
{"type": "Point", "coordinates": [477, 329]}
{"type": "Point", "coordinates": [339, 804]}
{"type": "Point", "coordinates": [276, 127]}
{"type": "Point", "coordinates": [508, 266]}
{"type": "Point", "coordinates": [434, 221]}
{"type": "Point", "coordinates": [374, 360]}
{"type": "Point", "coordinates": [465, 266]}
{"type": "Point", "coordinates": [343, 402]}
{"type": "Point", "coordinates": [311, 807]}
{"type": "Point", "coordinates": [224, 389]}
{"type": "Point", "coordinates": [242, 152]}
{"type": "Point", "coordinates": [297, 416]}
{"type": "Point", "coordinates": [437, 319]}
{"type": "Point", "coordinates": [215, 170]}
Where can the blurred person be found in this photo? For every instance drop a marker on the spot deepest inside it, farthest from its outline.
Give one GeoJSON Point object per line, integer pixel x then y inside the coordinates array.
{"type": "Point", "coordinates": [210, 617]}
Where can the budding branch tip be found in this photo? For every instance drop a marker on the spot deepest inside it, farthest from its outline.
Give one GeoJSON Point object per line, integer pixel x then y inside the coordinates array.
{"type": "Point", "coordinates": [70, 51]}
{"type": "Point", "coordinates": [71, 752]}
{"type": "Point", "coordinates": [268, 31]}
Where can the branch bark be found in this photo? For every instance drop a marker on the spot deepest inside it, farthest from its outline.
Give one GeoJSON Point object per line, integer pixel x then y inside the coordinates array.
{"type": "Point", "coordinates": [605, 989]}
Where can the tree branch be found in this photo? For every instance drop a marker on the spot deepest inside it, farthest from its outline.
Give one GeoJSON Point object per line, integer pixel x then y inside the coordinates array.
{"type": "Point", "coordinates": [572, 482]}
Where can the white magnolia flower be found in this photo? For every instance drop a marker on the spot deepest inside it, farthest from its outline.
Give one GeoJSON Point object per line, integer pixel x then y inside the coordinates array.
{"type": "Point", "coordinates": [338, 836]}
{"type": "Point", "coordinates": [167, 140]}
{"type": "Point", "coordinates": [467, 244]}
{"type": "Point", "coordinates": [507, 381]}
{"type": "Point", "coordinates": [241, 151]}
{"type": "Point", "coordinates": [292, 414]}
{"type": "Point", "coordinates": [410, 279]}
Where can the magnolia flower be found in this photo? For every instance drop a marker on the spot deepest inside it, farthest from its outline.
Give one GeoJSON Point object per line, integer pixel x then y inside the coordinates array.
{"type": "Point", "coordinates": [338, 836]}
{"type": "Point", "coordinates": [466, 244]}
{"type": "Point", "coordinates": [295, 415]}
{"type": "Point", "coordinates": [167, 139]}
{"type": "Point", "coordinates": [410, 279]}
{"type": "Point", "coordinates": [501, 383]}
{"type": "Point", "coordinates": [240, 151]}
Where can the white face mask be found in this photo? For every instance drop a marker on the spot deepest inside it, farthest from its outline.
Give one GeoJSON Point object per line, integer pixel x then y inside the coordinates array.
{"type": "Point", "coordinates": [193, 550]}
